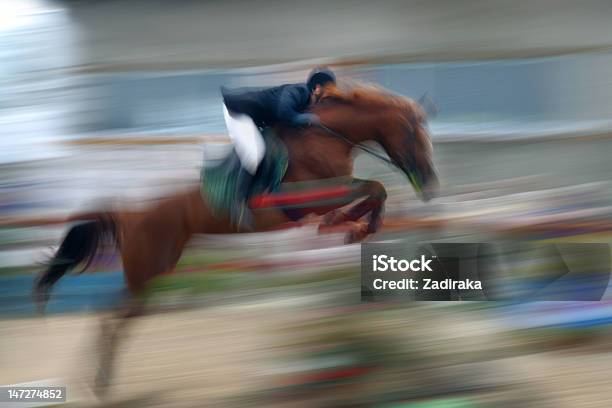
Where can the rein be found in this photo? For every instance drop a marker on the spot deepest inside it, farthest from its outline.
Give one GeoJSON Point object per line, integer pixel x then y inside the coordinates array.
{"type": "Point", "coordinates": [412, 174]}
{"type": "Point", "coordinates": [357, 145]}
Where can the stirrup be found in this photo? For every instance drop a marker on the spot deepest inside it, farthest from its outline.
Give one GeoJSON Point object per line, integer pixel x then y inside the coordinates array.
{"type": "Point", "coordinates": [242, 217]}
{"type": "Point", "coordinates": [245, 222]}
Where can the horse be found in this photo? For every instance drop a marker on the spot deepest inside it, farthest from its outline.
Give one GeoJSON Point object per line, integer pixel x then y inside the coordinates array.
{"type": "Point", "coordinates": [151, 241]}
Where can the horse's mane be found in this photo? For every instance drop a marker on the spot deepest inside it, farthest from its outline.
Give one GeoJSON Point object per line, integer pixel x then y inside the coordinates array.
{"type": "Point", "coordinates": [371, 95]}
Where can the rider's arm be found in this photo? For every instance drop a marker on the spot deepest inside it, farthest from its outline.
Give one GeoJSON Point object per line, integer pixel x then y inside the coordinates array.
{"type": "Point", "coordinates": [290, 101]}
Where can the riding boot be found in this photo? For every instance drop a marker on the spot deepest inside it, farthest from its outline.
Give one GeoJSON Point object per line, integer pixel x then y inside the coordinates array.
{"type": "Point", "coordinates": [242, 216]}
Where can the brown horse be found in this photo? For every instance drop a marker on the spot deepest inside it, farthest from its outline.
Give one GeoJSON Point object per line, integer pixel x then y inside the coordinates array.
{"type": "Point", "coordinates": [151, 241]}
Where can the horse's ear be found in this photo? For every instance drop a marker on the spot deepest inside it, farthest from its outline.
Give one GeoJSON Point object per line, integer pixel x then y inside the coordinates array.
{"type": "Point", "coordinates": [428, 105]}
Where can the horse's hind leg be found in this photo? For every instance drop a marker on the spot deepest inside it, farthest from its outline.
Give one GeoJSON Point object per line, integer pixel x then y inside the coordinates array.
{"type": "Point", "coordinates": [139, 269]}
{"type": "Point", "coordinates": [112, 331]}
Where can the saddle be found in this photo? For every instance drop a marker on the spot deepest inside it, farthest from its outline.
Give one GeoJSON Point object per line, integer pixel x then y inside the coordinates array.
{"type": "Point", "coordinates": [219, 183]}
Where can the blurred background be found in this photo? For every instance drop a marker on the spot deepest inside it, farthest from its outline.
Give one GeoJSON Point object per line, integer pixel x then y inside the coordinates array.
{"type": "Point", "coordinates": [119, 101]}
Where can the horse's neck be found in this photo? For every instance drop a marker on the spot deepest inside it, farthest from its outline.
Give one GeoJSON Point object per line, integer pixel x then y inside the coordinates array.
{"type": "Point", "coordinates": [315, 155]}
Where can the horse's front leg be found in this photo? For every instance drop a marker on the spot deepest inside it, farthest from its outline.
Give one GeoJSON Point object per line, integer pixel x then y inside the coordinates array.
{"type": "Point", "coordinates": [372, 205]}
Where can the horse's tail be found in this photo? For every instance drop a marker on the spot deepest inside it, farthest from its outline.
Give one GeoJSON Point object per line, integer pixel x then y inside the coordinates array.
{"type": "Point", "coordinates": [78, 248]}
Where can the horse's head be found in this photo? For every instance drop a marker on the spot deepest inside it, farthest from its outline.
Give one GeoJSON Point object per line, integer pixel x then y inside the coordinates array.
{"type": "Point", "coordinates": [397, 123]}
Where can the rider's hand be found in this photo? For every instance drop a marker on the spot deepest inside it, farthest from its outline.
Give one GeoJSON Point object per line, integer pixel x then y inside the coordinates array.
{"type": "Point", "coordinates": [314, 120]}
{"type": "Point", "coordinates": [306, 119]}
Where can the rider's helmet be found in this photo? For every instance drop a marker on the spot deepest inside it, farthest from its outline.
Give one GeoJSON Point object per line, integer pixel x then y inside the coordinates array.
{"type": "Point", "coordinates": [320, 76]}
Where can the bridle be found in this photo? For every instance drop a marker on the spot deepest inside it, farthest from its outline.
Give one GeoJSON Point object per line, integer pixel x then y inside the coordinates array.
{"type": "Point", "coordinates": [412, 171]}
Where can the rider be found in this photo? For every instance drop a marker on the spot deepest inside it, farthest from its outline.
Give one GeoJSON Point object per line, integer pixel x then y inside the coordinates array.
{"type": "Point", "coordinates": [248, 111]}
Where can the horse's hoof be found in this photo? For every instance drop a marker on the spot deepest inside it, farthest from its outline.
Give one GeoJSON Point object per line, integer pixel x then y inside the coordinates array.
{"type": "Point", "coordinates": [101, 385]}
{"type": "Point", "coordinates": [101, 392]}
{"type": "Point", "coordinates": [356, 235]}
{"type": "Point", "coordinates": [332, 218]}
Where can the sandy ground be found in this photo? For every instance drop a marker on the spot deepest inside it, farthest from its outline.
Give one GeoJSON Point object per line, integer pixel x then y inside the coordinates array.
{"type": "Point", "coordinates": [208, 356]}
{"type": "Point", "coordinates": [195, 355]}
